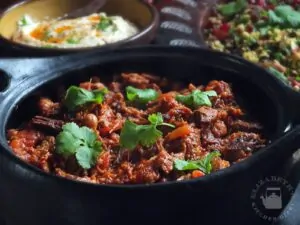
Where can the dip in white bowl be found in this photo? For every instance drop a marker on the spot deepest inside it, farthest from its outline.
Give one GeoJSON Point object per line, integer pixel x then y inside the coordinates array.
{"type": "Point", "coordinates": [90, 31]}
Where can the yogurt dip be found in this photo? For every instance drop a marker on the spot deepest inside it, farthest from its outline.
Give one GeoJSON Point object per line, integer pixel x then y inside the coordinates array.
{"type": "Point", "coordinates": [89, 31]}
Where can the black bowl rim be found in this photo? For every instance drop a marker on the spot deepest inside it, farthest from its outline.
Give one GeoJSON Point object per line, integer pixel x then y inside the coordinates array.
{"type": "Point", "coordinates": [152, 27]}
{"type": "Point", "coordinates": [234, 169]}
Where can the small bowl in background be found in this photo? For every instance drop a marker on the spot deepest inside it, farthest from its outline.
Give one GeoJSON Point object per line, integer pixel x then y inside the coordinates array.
{"type": "Point", "coordinates": [140, 13]}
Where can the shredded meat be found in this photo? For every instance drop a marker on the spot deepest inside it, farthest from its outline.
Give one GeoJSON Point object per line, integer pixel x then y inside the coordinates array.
{"type": "Point", "coordinates": [48, 108]}
{"type": "Point", "coordinates": [196, 132]}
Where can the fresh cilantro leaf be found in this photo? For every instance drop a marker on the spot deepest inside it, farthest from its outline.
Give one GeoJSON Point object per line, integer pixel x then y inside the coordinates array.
{"type": "Point", "coordinates": [274, 19]}
{"type": "Point", "coordinates": [283, 10]}
{"type": "Point", "coordinates": [206, 161]}
{"type": "Point", "coordinates": [67, 144]}
{"type": "Point", "coordinates": [77, 96]}
{"type": "Point", "coordinates": [104, 23]}
{"type": "Point", "coordinates": [129, 137]}
{"type": "Point", "coordinates": [73, 41]}
{"type": "Point", "coordinates": [201, 99]}
{"type": "Point", "coordinates": [80, 142]}
{"type": "Point", "coordinates": [72, 128]}
{"type": "Point", "coordinates": [146, 135]}
{"type": "Point", "coordinates": [294, 20]}
{"type": "Point", "coordinates": [157, 120]}
{"type": "Point", "coordinates": [203, 164]}
{"type": "Point", "coordinates": [23, 21]}
{"type": "Point", "coordinates": [232, 8]}
{"type": "Point", "coordinates": [183, 165]}
{"type": "Point", "coordinates": [210, 93]}
{"type": "Point", "coordinates": [85, 134]}
{"type": "Point", "coordinates": [196, 98]}
{"type": "Point", "coordinates": [84, 157]}
{"type": "Point", "coordinates": [141, 95]}
{"type": "Point", "coordinates": [186, 99]}
{"type": "Point", "coordinates": [277, 74]}
{"type": "Point", "coordinates": [285, 15]}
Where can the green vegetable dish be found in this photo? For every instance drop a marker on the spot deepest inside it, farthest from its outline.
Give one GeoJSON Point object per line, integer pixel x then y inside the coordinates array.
{"type": "Point", "coordinates": [137, 129]}
{"type": "Point", "coordinates": [266, 33]}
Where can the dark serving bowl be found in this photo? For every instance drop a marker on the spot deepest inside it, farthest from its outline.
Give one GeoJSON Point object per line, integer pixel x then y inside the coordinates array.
{"type": "Point", "coordinates": [30, 196]}
{"type": "Point", "coordinates": [139, 12]}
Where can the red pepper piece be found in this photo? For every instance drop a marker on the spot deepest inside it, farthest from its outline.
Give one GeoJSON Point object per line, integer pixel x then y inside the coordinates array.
{"type": "Point", "coordinates": [223, 32]}
{"type": "Point", "coordinates": [225, 27]}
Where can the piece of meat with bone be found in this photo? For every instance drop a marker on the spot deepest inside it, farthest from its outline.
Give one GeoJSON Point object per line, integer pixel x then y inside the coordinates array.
{"type": "Point", "coordinates": [47, 123]}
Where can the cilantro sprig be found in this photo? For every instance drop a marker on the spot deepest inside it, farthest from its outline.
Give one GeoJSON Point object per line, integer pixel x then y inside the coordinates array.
{"type": "Point", "coordinates": [73, 41]}
{"type": "Point", "coordinates": [105, 22]}
{"type": "Point", "coordinates": [142, 96]}
{"type": "Point", "coordinates": [133, 134]}
{"type": "Point", "coordinates": [76, 97]}
{"type": "Point", "coordinates": [232, 8]}
{"type": "Point", "coordinates": [196, 98]}
{"type": "Point", "coordinates": [284, 15]}
{"type": "Point", "coordinates": [203, 164]}
{"type": "Point", "coordinates": [23, 21]}
{"type": "Point", "coordinates": [80, 142]}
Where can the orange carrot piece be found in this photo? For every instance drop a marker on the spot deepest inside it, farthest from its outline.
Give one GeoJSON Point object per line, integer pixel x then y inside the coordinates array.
{"type": "Point", "coordinates": [197, 173]}
{"type": "Point", "coordinates": [62, 29]}
{"type": "Point", "coordinates": [179, 132]}
{"type": "Point", "coordinates": [95, 18]}
{"type": "Point", "coordinates": [39, 32]}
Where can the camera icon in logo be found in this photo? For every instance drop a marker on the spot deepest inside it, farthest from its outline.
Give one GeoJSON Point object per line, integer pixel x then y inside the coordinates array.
{"type": "Point", "coordinates": [272, 198]}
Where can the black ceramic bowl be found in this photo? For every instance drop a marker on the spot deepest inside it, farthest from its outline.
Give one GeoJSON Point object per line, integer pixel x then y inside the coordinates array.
{"type": "Point", "coordinates": [139, 12]}
{"type": "Point", "coordinates": [30, 196]}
